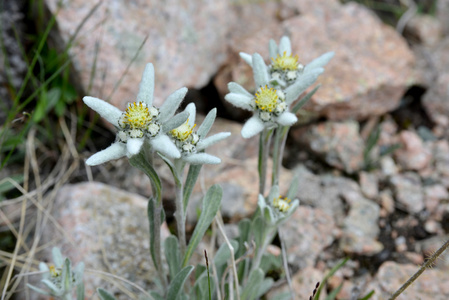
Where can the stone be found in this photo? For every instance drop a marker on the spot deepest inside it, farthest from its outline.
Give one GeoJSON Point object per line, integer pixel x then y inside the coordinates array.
{"type": "Point", "coordinates": [369, 184]}
{"type": "Point", "coordinates": [338, 143]}
{"type": "Point", "coordinates": [413, 155]}
{"type": "Point", "coordinates": [307, 232]}
{"type": "Point", "coordinates": [360, 229]}
{"type": "Point", "coordinates": [423, 29]}
{"type": "Point", "coordinates": [186, 41]}
{"type": "Point", "coordinates": [408, 191]}
{"type": "Point", "coordinates": [433, 194]}
{"type": "Point", "coordinates": [107, 229]}
{"type": "Point", "coordinates": [368, 75]}
{"type": "Point", "coordinates": [388, 166]}
{"type": "Point", "coordinates": [435, 101]}
{"type": "Point", "coordinates": [432, 284]}
{"type": "Point", "coordinates": [428, 247]}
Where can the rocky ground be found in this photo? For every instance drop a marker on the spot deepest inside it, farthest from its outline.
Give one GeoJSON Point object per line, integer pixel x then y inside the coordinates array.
{"type": "Point", "coordinates": [371, 150]}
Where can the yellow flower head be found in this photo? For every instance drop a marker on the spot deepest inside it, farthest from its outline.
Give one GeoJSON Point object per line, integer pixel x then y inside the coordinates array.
{"type": "Point", "coordinates": [54, 272]}
{"type": "Point", "coordinates": [136, 116]}
{"type": "Point", "coordinates": [183, 132]}
{"type": "Point", "coordinates": [285, 62]}
{"type": "Point", "coordinates": [282, 204]}
{"type": "Point", "coordinates": [266, 99]}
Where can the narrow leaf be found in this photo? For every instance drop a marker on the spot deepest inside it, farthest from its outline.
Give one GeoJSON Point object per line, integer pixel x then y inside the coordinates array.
{"type": "Point", "coordinates": [139, 161]}
{"type": "Point", "coordinates": [178, 282]}
{"type": "Point", "coordinates": [58, 259]}
{"type": "Point", "coordinates": [151, 213]}
{"type": "Point", "coordinates": [328, 275]}
{"type": "Point", "coordinates": [250, 291]}
{"type": "Point", "coordinates": [211, 205]}
{"type": "Point", "coordinates": [304, 100]}
{"type": "Point", "coordinates": [104, 295]}
{"type": "Point", "coordinates": [189, 184]}
{"type": "Point", "coordinates": [223, 253]}
{"type": "Point", "coordinates": [173, 255]}
{"type": "Point", "coordinates": [204, 128]}
{"type": "Point", "coordinates": [36, 289]}
{"type": "Point", "coordinates": [302, 83]}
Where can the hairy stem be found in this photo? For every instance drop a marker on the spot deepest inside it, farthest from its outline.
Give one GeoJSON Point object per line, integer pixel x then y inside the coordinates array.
{"type": "Point", "coordinates": [180, 219]}
{"type": "Point", "coordinates": [421, 270]}
{"type": "Point", "coordinates": [284, 259]}
{"type": "Point", "coordinates": [157, 244]}
{"type": "Point", "coordinates": [264, 149]}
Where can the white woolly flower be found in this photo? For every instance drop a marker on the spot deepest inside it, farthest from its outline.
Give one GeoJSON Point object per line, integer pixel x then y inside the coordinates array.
{"type": "Point", "coordinates": [276, 209]}
{"type": "Point", "coordinates": [141, 122]}
{"type": "Point", "coordinates": [270, 106]}
{"type": "Point", "coordinates": [285, 69]}
{"type": "Point", "coordinates": [192, 144]}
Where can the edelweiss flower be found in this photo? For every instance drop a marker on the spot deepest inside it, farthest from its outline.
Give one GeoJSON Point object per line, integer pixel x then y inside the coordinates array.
{"type": "Point", "coordinates": [270, 105]}
{"type": "Point", "coordinates": [192, 144]}
{"type": "Point", "coordinates": [276, 209]}
{"type": "Point", "coordinates": [140, 122]}
{"type": "Point", "coordinates": [285, 68]}
{"type": "Point", "coordinates": [277, 86]}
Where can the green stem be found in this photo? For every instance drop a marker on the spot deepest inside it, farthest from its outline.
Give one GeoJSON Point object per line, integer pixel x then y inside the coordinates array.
{"type": "Point", "coordinates": [278, 153]}
{"type": "Point", "coordinates": [264, 149]}
{"type": "Point", "coordinates": [179, 213]}
{"type": "Point", "coordinates": [268, 237]}
{"type": "Point", "coordinates": [421, 270]}
{"type": "Point", "coordinates": [157, 244]}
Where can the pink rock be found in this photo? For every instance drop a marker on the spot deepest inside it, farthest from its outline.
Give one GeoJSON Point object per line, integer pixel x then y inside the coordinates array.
{"type": "Point", "coordinates": [424, 29]}
{"type": "Point", "coordinates": [432, 284]}
{"type": "Point", "coordinates": [413, 155]}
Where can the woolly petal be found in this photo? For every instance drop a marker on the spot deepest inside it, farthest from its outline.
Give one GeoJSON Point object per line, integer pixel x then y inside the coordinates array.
{"type": "Point", "coordinates": [238, 89]}
{"type": "Point", "coordinates": [239, 100]}
{"type": "Point", "coordinates": [260, 71]}
{"type": "Point", "coordinates": [201, 159]}
{"type": "Point", "coordinates": [146, 86]}
{"type": "Point", "coordinates": [133, 146]}
{"type": "Point", "coordinates": [273, 49]}
{"type": "Point", "coordinates": [204, 128]}
{"type": "Point", "coordinates": [115, 151]}
{"type": "Point", "coordinates": [175, 121]}
{"type": "Point", "coordinates": [209, 141]}
{"type": "Point", "coordinates": [285, 46]}
{"type": "Point", "coordinates": [163, 144]}
{"type": "Point", "coordinates": [319, 62]}
{"type": "Point", "coordinates": [104, 109]}
{"type": "Point", "coordinates": [171, 104]}
{"type": "Point", "coordinates": [274, 193]}
{"type": "Point", "coordinates": [247, 58]}
{"type": "Point", "coordinates": [302, 83]}
{"type": "Point", "coordinates": [287, 119]}
{"type": "Point", "coordinates": [252, 127]}
{"type": "Point", "coordinates": [191, 109]}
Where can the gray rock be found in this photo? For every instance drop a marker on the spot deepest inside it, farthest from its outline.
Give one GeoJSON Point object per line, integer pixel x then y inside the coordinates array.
{"type": "Point", "coordinates": [187, 41]}
{"type": "Point", "coordinates": [338, 144]}
{"type": "Point", "coordinates": [432, 284]}
{"type": "Point", "coordinates": [360, 229]}
{"type": "Point", "coordinates": [408, 191]}
{"type": "Point", "coordinates": [107, 229]}
{"type": "Point", "coordinates": [413, 155]}
{"type": "Point", "coordinates": [369, 184]}
{"type": "Point", "coordinates": [307, 233]}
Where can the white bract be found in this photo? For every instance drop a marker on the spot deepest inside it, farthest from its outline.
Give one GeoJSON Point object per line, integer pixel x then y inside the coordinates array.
{"type": "Point", "coordinates": [276, 209]}
{"type": "Point", "coordinates": [140, 123]}
{"type": "Point", "coordinates": [192, 144]}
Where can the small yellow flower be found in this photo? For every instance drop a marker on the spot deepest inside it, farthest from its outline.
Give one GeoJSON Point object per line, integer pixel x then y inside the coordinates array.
{"type": "Point", "coordinates": [282, 204]}
{"type": "Point", "coordinates": [266, 99]}
{"type": "Point", "coordinates": [136, 116]}
{"type": "Point", "coordinates": [53, 272]}
{"type": "Point", "coordinates": [285, 62]}
{"type": "Point", "coordinates": [183, 132]}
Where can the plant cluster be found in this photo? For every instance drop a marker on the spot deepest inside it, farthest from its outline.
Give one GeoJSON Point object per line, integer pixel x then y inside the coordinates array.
{"type": "Point", "coordinates": [239, 267]}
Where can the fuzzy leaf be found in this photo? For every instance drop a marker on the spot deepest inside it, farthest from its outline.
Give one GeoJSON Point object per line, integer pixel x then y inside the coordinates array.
{"type": "Point", "coordinates": [320, 61]}
{"type": "Point", "coordinates": [250, 291]}
{"type": "Point", "coordinates": [211, 205]}
{"type": "Point", "coordinates": [304, 100]}
{"type": "Point", "coordinates": [224, 253]}
{"type": "Point", "coordinates": [173, 255]}
{"type": "Point", "coordinates": [178, 282]}
{"type": "Point", "coordinates": [204, 128]}
{"type": "Point", "coordinates": [104, 295]}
